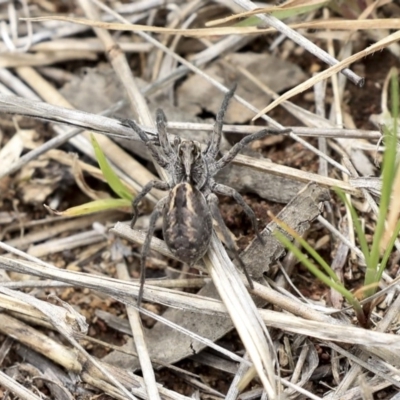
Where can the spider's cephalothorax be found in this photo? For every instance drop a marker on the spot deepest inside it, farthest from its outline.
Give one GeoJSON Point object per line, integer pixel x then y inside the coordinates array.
{"type": "Point", "coordinates": [191, 204]}
{"type": "Point", "coordinates": [189, 164]}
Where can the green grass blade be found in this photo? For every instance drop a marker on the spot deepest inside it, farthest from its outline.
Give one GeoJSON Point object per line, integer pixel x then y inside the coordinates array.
{"type": "Point", "coordinates": [96, 206]}
{"type": "Point", "coordinates": [334, 284]}
{"type": "Point", "coordinates": [111, 177]}
{"type": "Point", "coordinates": [314, 254]}
{"type": "Point", "coordinates": [387, 253]}
{"type": "Point", "coordinates": [307, 247]}
{"type": "Point", "coordinates": [388, 175]}
{"type": "Point", "coordinates": [360, 233]}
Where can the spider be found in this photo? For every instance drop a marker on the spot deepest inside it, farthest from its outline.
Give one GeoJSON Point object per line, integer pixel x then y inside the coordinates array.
{"type": "Point", "coordinates": [191, 204]}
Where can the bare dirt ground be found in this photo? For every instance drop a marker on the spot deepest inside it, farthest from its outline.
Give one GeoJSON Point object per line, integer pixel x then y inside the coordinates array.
{"type": "Point", "coordinates": [69, 323]}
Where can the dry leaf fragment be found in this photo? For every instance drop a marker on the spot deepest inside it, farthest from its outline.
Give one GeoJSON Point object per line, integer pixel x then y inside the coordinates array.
{"type": "Point", "coordinates": [196, 95]}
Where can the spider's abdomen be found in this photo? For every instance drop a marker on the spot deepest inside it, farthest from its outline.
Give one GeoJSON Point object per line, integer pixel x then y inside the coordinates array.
{"type": "Point", "coordinates": [187, 224]}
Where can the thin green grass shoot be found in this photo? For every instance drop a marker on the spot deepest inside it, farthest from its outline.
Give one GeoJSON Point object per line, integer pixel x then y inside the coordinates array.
{"type": "Point", "coordinates": [110, 176]}
{"type": "Point", "coordinates": [124, 200]}
{"type": "Point", "coordinates": [375, 261]}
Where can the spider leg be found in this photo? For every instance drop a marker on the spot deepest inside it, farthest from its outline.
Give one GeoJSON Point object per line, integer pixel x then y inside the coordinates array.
{"type": "Point", "coordinates": [212, 201]}
{"type": "Point", "coordinates": [156, 153]}
{"type": "Point", "coordinates": [146, 189]}
{"type": "Point", "coordinates": [234, 151]}
{"type": "Point", "coordinates": [228, 191]}
{"type": "Point", "coordinates": [215, 142]}
{"type": "Point", "coordinates": [136, 128]}
{"type": "Point", "coordinates": [146, 245]}
{"type": "Point", "coordinates": [161, 122]}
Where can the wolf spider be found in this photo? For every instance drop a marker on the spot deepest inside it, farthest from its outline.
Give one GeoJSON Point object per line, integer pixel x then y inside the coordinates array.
{"type": "Point", "coordinates": [191, 204]}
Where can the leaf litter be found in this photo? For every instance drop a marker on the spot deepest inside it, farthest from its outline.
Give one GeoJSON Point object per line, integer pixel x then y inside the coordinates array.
{"type": "Point", "coordinates": [97, 263]}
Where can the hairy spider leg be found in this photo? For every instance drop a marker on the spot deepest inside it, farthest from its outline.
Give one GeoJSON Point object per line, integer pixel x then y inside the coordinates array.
{"type": "Point", "coordinates": [212, 201]}
{"type": "Point", "coordinates": [161, 122]}
{"type": "Point", "coordinates": [205, 175]}
{"type": "Point", "coordinates": [215, 142]}
{"type": "Point", "coordinates": [146, 245]}
{"type": "Point", "coordinates": [228, 191]}
{"type": "Point", "coordinates": [156, 152]}
{"type": "Point", "coordinates": [146, 189]}
{"type": "Point", "coordinates": [136, 128]}
{"type": "Point", "coordinates": [237, 148]}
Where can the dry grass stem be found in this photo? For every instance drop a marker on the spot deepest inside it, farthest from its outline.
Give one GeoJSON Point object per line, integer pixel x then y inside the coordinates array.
{"type": "Point", "coordinates": [300, 40]}
{"type": "Point", "coordinates": [393, 38]}
{"type": "Point", "coordinates": [347, 25]}
{"type": "Point", "coordinates": [141, 347]}
{"type": "Point", "coordinates": [70, 325]}
{"type": "Point", "coordinates": [248, 339]}
{"type": "Point", "coordinates": [21, 391]}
